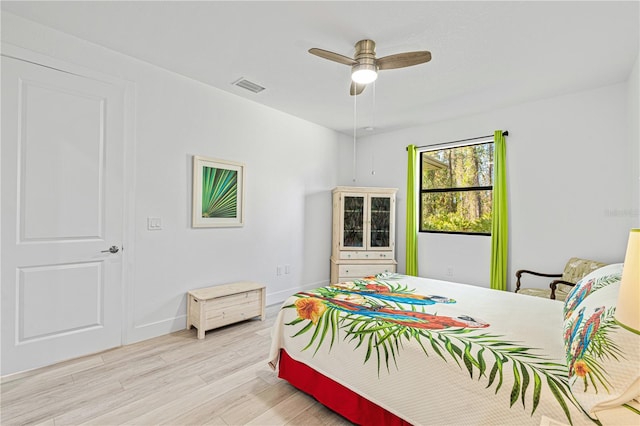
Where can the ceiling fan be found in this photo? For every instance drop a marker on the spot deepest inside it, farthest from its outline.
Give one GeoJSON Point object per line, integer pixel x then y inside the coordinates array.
{"type": "Point", "coordinates": [365, 65]}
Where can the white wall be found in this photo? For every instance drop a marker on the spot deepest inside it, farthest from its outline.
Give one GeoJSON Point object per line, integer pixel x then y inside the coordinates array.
{"type": "Point", "coordinates": [634, 125]}
{"type": "Point", "coordinates": [571, 170]}
{"type": "Point", "coordinates": [570, 174]}
{"type": "Point", "coordinates": [290, 171]}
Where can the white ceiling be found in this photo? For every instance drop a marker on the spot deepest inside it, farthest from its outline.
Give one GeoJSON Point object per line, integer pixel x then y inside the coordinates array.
{"type": "Point", "coordinates": [485, 54]}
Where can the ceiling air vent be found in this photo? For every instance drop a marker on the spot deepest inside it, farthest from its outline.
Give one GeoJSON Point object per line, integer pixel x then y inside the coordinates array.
{"type": "Point", "coordinates": [249, 85]}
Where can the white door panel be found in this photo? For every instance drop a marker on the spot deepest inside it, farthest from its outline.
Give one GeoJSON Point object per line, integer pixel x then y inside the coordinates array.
{"type": "Point", "coordinates": [64, 145]}
{"type": "Point", "coordinates": [62, 206]}
{"type": "Point", "coordinates": [39, 286]}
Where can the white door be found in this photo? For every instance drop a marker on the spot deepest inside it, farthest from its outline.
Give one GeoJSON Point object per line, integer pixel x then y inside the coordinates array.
{"type": "Point", "coordinates": [62, 207]}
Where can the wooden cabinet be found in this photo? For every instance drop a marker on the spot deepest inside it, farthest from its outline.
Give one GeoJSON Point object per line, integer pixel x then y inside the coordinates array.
{"type": "Point", "coordinates": [363, 241]}
{"type": "Point", "coordinates": [213, 307]}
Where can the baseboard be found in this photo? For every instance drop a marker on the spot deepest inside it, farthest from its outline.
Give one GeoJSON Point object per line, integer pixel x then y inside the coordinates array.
{"type": "Point", "coordinates": [280, 296]}
{"type": "Point", "coordinates": [141, 332]}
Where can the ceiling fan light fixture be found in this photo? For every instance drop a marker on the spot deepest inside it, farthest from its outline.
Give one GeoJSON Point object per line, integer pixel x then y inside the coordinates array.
{"type": "Point", "coordinates": [364, 73]}
{"type": "Point", "coordinates": [365, 66]}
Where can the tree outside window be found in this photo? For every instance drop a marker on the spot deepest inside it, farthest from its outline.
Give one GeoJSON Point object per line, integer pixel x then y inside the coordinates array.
{"type": "Point", "coordinates": [456, 189]}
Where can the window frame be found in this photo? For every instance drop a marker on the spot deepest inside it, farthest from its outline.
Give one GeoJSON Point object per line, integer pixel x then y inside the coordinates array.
{"type": "Point", "coordinates": [422, 191]}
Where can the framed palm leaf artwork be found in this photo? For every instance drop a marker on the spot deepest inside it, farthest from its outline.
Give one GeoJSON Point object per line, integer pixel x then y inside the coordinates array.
{"type": "Point", "coordinates": [218, 193]}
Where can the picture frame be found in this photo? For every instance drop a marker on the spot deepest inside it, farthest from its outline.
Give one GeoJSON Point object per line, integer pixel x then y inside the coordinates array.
{"type": "Point", "coordinates": [218, 193]}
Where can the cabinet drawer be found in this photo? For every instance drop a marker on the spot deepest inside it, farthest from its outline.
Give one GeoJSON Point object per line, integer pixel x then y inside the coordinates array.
{"type": "Point", "coordinates": [364, 255]}
{"type": "Point", "coordinates": [359, 271]}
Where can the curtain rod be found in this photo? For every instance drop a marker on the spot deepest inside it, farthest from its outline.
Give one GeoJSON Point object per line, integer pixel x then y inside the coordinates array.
{"type": "Point", "coordinates": [505, 133]}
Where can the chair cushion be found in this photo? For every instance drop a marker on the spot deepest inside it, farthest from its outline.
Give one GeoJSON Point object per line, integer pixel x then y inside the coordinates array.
{"type": "Point", "coordinates": [562, 291]}
{"type": "Point", "coordinates": [576, 268]}
{"type": "Point", "coordinates": [540, 292]}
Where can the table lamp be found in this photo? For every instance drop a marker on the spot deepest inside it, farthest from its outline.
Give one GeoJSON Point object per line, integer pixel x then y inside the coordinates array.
{"type": "Point", "coordinates": [628, 308]}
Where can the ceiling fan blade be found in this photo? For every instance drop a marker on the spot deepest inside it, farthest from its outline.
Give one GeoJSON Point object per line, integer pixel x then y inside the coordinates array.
{"type": "Point", "coordinates": [335, 57]}
{"type": "Point", "coordinates": [356, 88]}
{"type": "Point", "coordinates": [401, 60]}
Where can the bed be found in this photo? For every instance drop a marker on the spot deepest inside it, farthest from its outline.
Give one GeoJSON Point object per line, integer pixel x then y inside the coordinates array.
{"type": "Point", "coordinates": [406, 350]}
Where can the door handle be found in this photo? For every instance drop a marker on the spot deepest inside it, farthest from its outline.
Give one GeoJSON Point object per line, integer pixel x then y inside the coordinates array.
{"type": "Point", "coordinates": [112, 250]}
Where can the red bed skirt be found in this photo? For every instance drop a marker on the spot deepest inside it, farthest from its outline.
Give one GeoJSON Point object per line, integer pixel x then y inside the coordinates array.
{"type": "Point", "coordinates": [335, 396]}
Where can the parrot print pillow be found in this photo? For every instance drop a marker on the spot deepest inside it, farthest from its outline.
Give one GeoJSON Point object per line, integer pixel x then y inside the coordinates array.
{"type": "Point", "coordinates": [603, 358]}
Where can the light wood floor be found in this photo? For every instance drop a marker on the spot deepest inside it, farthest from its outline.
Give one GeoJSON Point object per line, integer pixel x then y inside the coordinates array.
{"type": "Point", "coordinates": [170, 380]}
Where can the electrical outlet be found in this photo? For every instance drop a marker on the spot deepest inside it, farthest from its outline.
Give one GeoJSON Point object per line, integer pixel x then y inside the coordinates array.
{"type": "Point", "coordinates": [449, 271]}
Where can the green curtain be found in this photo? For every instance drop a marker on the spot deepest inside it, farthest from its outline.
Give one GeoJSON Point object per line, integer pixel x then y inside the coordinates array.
{"type": "Point", "coordinates": [500, 221]}
{"type": "Point", "coordinates": [412, 214]}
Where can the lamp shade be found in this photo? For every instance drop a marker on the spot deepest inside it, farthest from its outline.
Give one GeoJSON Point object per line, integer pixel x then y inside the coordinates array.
{"type": "Point", "coordinates": [628, 308]}
{"type": "Point", "coordinates": [364, 73]}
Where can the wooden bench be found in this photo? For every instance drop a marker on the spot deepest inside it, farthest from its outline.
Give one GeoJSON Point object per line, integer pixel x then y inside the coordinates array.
{"type": "Point", "coordinates": [213, 307]}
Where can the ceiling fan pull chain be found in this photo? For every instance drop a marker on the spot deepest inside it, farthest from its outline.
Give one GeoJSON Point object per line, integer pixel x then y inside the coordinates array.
{"type": "Point", "coordinates": [355, 115]}
{"type": "Point", "coordinates": [373, 126]}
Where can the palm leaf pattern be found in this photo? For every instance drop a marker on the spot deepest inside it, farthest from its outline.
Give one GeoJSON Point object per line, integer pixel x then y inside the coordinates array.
{"type": "Point", "coordinates": [585, 288]}
{"type": "Point", "coordinates": [589, 347]}
{"type": "Point", "coordinates": [587, 335]}
{"type": "Point", "coordinates": [219, 192]}
{"type": "Point", "coordinates": [483, 355]}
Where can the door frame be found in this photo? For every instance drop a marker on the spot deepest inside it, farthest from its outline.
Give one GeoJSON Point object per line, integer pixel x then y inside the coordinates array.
{"type": "Point", "coordinates": [128, 164]}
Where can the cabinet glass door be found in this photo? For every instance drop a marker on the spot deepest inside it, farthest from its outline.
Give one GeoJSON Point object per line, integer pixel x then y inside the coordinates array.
{"type": "Point", "coordinates": [380, 229]}
{"type": "Point", "coordinates": [353, 222]}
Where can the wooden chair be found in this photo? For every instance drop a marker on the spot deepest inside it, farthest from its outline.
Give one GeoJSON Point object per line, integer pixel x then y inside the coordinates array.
{"type": "Point", "coordinates": [575, 269]}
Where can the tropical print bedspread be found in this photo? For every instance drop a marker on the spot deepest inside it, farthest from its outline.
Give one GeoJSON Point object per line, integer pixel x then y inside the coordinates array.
{"type": "Point", "coordinates": [435, 352]}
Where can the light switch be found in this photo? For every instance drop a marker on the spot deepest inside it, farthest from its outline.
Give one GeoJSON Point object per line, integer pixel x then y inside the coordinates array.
{"type": "Point", "coordinates": [154, 224]}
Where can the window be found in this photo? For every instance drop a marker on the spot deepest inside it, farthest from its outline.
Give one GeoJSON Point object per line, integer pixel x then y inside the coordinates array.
{"type": "Point", "coordinates": [456, 189]}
